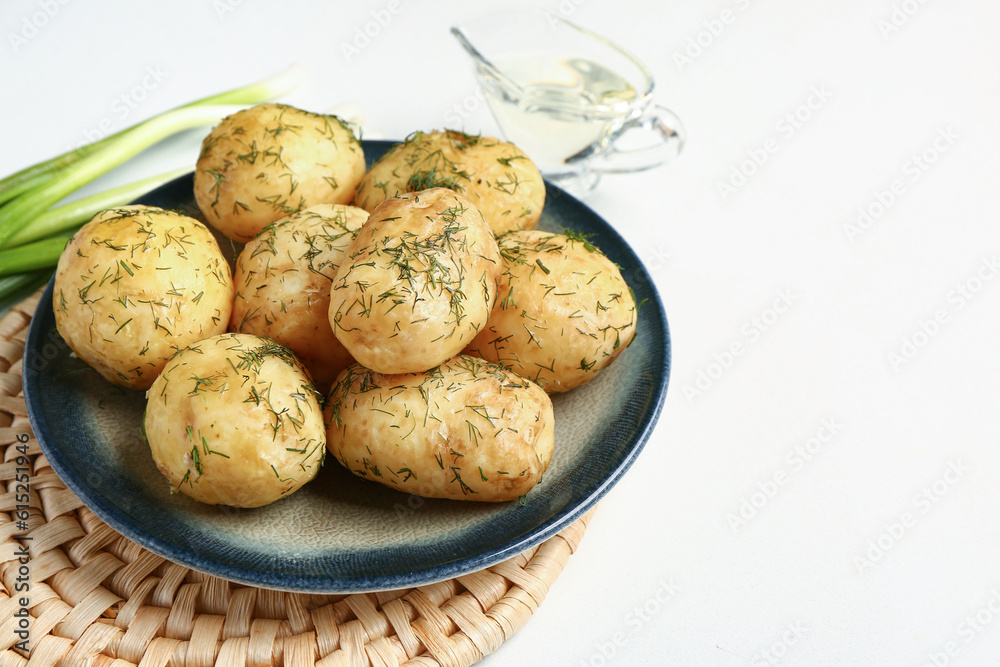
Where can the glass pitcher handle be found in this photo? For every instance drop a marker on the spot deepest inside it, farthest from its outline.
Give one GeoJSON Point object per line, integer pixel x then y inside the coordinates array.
{"type": "Point", "coordinates": [666, 139]}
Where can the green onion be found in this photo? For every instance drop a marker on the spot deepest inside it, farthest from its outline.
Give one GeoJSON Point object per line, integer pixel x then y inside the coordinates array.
{"type": "Point", "coordinates": [14, 289]}
{"type": "Point", "coordinates": [72, 215]}
{"type": "Point", "coordinates": [33, 178]}
{"type": "Point", "coordinates": [31, 256]}
{"type": "Point", "coordinates": [36, 174]}
{"type": "Point", "coordinates": [20, 212]}
{"type": "Point", "coordinates": [32, 191]}
{"type": "Point", "coordinates": [255, 93]}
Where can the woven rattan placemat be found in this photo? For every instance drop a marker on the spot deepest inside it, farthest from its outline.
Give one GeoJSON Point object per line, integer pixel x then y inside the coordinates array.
{"type": "Point", "coordinates": [95, 598]}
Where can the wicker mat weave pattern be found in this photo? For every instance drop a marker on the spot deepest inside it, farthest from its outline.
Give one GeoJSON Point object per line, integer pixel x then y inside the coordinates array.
{"type": "Point", "coordinates": [97, 599]}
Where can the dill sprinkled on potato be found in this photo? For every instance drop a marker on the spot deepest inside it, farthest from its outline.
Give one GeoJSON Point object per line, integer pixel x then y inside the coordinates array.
{"type": "Point", "coordinates": [272, 160]}
{"type": "Point", "coordinates": [494, 175]}
{"type": "Point", "coordinates": [214, 401]}
{"type": "Point", "coordinates": [425, 262]}
{"type": "Point", "coordinates": [564, 311]}
{"type": "Point", "coordinates": [442, 432]}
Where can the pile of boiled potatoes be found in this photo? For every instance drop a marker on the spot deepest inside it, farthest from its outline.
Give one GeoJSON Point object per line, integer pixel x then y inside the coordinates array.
{"type": "Point", "coordinates": [409, 320]}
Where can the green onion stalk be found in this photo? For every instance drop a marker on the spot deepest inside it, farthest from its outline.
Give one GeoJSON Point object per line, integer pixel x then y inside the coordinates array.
{"type": "Point", "coordinates": [14, 289]}
{"type": "Point", "coordinates": [33, 176]}
{"type": "Point", "coordinates": [72, 215]}
{"type": "Point", "coordinates": [32, 256]}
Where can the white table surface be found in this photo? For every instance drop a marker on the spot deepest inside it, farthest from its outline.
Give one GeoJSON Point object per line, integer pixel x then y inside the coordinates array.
{"type": "Point", "coordinates": [877, 542]}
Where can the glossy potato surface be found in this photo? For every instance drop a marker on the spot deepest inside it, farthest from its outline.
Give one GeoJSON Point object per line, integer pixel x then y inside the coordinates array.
{"type": "Point", "coordinates": [467, 430]}
{"type": "Point", "coordinates": [233, 420]}
{"type": "Point", "coordinates": [563, 311]}
{"type": "Point", "coordinates": [494, 175]}
{"type": "Point", "coordinates": [283, 279]}
{"type": "Point", "coordinates": [265, 162]}
{"type": "Point", "coordinates": [136, 284]}
{"type": "Point", "coordinates": [418, 282]}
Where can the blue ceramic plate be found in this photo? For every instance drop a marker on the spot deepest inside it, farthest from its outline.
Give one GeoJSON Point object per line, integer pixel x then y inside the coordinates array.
{"type": "Point", "coordinates": [340, 533]}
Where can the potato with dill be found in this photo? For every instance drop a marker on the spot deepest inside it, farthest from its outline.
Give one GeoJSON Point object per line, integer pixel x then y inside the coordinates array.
{"type": "Point", "coordinates": [265, 162]}
{"type": "Point", "coordinates": [417, 284]}
{"type": "Point", "coordinates": [466, 430]}
{"type": "Point", "coordinates": [494, 175]}
{"type": "Point", "coordinates": [233, 420]}
{"type": "Point", "coordinates": [136, 284]}
{"type": "Point", "coordinates": [563, 311]}
{"type": "Point", "coordinates": [283, 278]}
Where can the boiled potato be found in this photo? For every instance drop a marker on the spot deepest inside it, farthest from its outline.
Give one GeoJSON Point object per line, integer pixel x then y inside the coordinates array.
{"type": "Point", "coordinates": [283, 278]}
{"type": "Point", "coordinates": [563, 311]}
{"type": "Point", "coordinates": [418, 282]}
{"type": "Point", "coordinates": [136, 284]}
{"type": "Point", "coordinates": [233, 420]}
{"type": "Point", "coordinates": [494, 175]}
{"type": "Point", "coordinates": [467, 430]}
{"type": "Point", "coordinates": [262, 163]}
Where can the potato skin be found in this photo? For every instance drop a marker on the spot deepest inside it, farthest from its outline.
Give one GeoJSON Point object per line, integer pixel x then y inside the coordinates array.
{"type": "Point", "coordinates": [283, 278]}
{"type": "Point", "coordinates": [563, 311]}
{"type": "Point", "coordinates": [467, 430]}
{"type": "Point", "coordinates": [265, 162]}
{"type": "Point", "coordinates": [136, 284]}
{"type": "Point", "coordinates": [494, 175]}
{"type": "Point", "coordinates": [233, 420]}
{"type": "Point", "coordinates": [418, 282]}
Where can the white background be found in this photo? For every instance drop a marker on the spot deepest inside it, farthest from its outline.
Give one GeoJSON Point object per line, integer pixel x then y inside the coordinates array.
{"type": "Point", "coordinates": [843, 548]}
